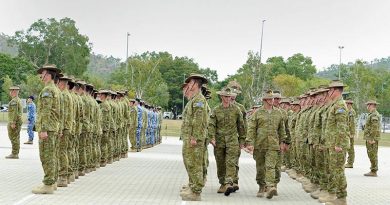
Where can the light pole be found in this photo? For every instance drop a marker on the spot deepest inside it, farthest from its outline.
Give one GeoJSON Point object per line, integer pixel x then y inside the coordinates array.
{"type": "Point", "coordinates": [127, 57]}
{"type": "Point", "coordinates": [182, 105]}
{"type": "Point", "coordinates": [258, 91]}
{"type": "Point", "coordinates": [341, 48]}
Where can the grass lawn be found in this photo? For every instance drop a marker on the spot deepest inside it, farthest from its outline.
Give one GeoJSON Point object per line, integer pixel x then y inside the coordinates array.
{"type": "Point", "coordinates": [171, 128]}
{"type": "Point", "coordinates": [4, 117]}
{"type": "Point", "coordinates": [384, 141]}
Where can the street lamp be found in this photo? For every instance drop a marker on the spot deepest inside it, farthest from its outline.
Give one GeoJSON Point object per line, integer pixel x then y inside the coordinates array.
{"type": "Point", "coordinates": [341, 48]}
{"type": "Point", "coordinates": [127, 57]}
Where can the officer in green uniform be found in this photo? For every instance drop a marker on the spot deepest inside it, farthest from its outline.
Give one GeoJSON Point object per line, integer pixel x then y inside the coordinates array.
{"type": "Point", "coordinates": [15, 111]}
{"type": "Point", "coordinates": [266, 137]}
{"type": "Point", "coordinates": [193, 132]}
{"type": "Point", "coordinates": [372, 136]}
{"type": "Point", "coordinates": [352, 134]}
{"type": "Point", "coordinates": [48, 127]}
{"type": "Point", "coordinates": [133, 120]}
{"type": "Point", "coordinates": [227, 132]}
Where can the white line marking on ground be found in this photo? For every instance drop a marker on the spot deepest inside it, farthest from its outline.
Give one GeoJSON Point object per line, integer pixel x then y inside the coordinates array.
{"type": "Point", "coordinates": [24, 199]}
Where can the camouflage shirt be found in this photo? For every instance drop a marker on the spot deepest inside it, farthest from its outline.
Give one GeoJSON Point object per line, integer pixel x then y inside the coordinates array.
{"type": "Point", "coordinates": [337, 124]}
{"type": "Point", "coordinates": [15, 111]}
{"type": "Point", "coordinates": [372, 127]}
{"type": "Point", "coordinates": [195, 118]}
{"type": "Point", "coordinates": [48, 109]}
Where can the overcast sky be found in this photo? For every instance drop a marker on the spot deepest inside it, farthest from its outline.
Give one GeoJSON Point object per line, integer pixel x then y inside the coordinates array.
{"type": "Point", "coordinates": [219, 33]}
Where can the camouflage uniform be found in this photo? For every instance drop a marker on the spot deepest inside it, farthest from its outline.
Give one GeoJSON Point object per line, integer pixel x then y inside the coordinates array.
{"type": "Point", "coordinates": [265, 132]}
{"type": "Point", "coordinates": [132, 123]}
{"type": "Point", "coordinates": [48, 121]}
{"type": "Point", "coordinates": [15, 118]}
{"type": "Point", "coordinates": [194, 125]}
{"type": "Point", "coordinates": [227, 128]}
{"type": "Point", "coordinates": [243, 111]}
{"type": "Point", "coordinates": [372, 132]}
{"type": "Point", "coordinates": [352, 133]}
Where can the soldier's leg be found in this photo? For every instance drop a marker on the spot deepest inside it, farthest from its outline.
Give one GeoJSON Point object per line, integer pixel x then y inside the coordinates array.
{"type": "Point", "coordinates": [237, 163]}
{"type": "Point", "coordinates": [132, 138]}
{"type": "Point", "coordinates": [57, 156]}
{"type": "Point", "coordinates": [278, 167]}
{"type": "Point", "coordinates": [205, 161]}
{"type": "Point", "coordinates": [351, 152]}
{"type": "Point", "coordinates": [195, 167]}
{"type": "Point", "coordinates": [30, 131]}
{"type": "Point", "coordinates": [14, 136]}
{"type": "Point", "coordinates": [231, 164]}
{"type": "Point", "coordinates": [47, 152]}
{"type": "Point", "coordinates": [372, 151]}
{"type": "Point", "coordinates": [337, 180]}
{"type": "Point", "coordinates": [271, 161]}
{"type": "Point", "coordinates": [220, 159]}
{"type": "Point", "coordinates": [259, 157]}
{"type": "Point", "coordinates": [82, 152]}
{"type": "Point", "coordinates": [70, 154]}
{"type": "Point", "coordinates": [63, 159]}
{"type": "Point", "coordinates": [76, 154]}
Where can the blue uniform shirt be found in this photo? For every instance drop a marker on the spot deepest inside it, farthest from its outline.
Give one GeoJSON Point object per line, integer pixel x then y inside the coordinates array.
{"type": "Point", "coordinates": [31, 112]}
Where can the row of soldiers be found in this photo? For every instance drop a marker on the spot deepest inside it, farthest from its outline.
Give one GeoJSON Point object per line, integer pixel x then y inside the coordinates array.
{"type": "Point", "coordinates": [81, 129]}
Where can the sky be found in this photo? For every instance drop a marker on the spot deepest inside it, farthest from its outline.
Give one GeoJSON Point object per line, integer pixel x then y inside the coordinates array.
{"type": "Point", "coordinates": [219, 33]}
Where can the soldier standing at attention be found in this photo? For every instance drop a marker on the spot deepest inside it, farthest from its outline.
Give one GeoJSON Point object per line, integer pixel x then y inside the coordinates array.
{"type": "Point", "coordinates": [139, 125]}
{"type": "Point", "coordinates": [14, 121]}
{"type": "Point", "coordinates": [47, 126]}
{"type": "Point", "coordinates": [352, 133]}
{"type": "Point", "coordinates": [31, 117]}
{"type": "Point", "coordinates": [193, 132]}
{"type": "Point", "coordinates": [266, 137]}
{"type": "Point", "coordinates": [133, 122]}
{"type": "Point", "coordinates": [227, 133]}
{"type": "Point", "coordinates": [372, 136]}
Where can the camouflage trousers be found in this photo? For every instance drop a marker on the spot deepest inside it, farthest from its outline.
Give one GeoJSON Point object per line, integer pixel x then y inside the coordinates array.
{"type": "Point", "coordinates": [351, 151]}
{"type": "Point", "coordinates": [105, 143]}
{"type": "Point", "coordinates": [266, 162]}
{"type": "Point", "coordinates": [14, 137]}
{"type": "Point", "coordinates": [278, 171]}
{"type": "Point", "coordinates": [47, 154]}
{"type": "Point", "coordinates": [286, 159]}
{"type": "Point", "coordinates": [372, 152]}
{"type": "Point", "coordinates": [226, 159]}
{"type": "Point", "coordinates": [63, 159]}
{"type": "Point", "coordinates": [193, 158]}
{"type": "Point", "coordinates": [125, 144]}
{"type": "Point", "coordinates": [205, 160]}
{"type": "Point", "coordinates": [337, 181]}
{"type": "Point", "coordinates": [71, 154]}
{"type": "Point", "coordinates": [83, 151]}
{"type": "Point", "coordinates": [75, 147]}
{"type": "Point", "coordinates": [132, 138]}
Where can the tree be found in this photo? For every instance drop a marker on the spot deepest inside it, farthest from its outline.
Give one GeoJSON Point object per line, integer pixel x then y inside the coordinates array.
{"type": "Point", "coordinates": [211, 75]}
{"type": "Point", "coordinates": [289, 85]}
{"type": "Point", "coordinates": [300, 66]}
{"type": "Point", "coordinates": [277, 65]}
{"type": "Point", "coordinates": [32, 86]}
{"type": "Point", "coordinates": [7, 83]}
{"type": "Point", "coordinates": [57, 42]}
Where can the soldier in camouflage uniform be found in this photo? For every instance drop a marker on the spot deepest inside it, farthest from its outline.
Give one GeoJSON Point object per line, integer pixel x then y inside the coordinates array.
{"type": "Point", "coordinates": [337, 142]}
{"type": "Point", "coordinates": [227, 132]}
{"type": "Point", "coordinates": [352, 134]}
{"type": "Point", "coordinates": [14, 126]}
{"type": "Point", "coordinates": [266, 137]}
{"type": "Point", "coordinates": [372, 136]}
{"type": "Point", "coordinates": [67, 127]}
{"type": "Point", "coordinates": [132, 123]}
{"type": "Point", "coordinates": [236, 87]}
{"type": "Point", "coordinates": [194, 128]}
{"type": "Point", "coordinates": [48, 127]}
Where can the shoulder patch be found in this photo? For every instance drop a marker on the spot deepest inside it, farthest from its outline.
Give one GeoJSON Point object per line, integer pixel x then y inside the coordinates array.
{"type": "Point", "coordinates": [199, 104]}
{"type": "Point", "coordinates": [46, 94]}
{"type": "Point", "coordinates": [340, 110]}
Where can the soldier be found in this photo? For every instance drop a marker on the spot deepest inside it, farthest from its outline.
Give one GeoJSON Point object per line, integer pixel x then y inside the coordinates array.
{"type": "Point", "coordinates": [84, 136]}
{"type": "Point", "coordinates": [64, 140]}
{"type": "Point", "coordinates": [15, 111]}
{"type": "Point", "coordinates": [372, 136]}
{"type": "Point", "coordinates": [133, 122]}
{"type": "Point", "coordinates": [79, 117]}
{"type": "Point", "coordinates": [31, 117]}
{"type": "Point", "coordinates": [227, 132]}
{"type": "Point", "coordinates": [73, 140]}
{"type": "Point", "coordinates": [139, 125]}
{"type": "Point", "coordinates": [352, 133]}
{"type": "Point", "coordinates": [194, 128]}
{"type": "Point", "coordinates": [337, 143]}
{"type": "Point", "coordinates": [266, 137]}
{"type": "Point", "coordinates": [47, 126]}
{"type": "Point", "coordinates": [237, 89]}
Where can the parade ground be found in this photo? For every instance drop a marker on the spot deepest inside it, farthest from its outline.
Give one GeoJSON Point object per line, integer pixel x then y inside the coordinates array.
{"type": "Point", "coordinates": [154, 176]}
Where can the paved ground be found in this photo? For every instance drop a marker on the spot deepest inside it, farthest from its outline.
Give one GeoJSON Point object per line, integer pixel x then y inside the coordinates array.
{"type": "Point", "coordinates": [155, 176]}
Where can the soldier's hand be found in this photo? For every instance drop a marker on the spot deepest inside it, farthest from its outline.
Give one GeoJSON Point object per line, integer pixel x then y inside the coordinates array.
{"type": "Point", "coordinates": [338, 149]}
{"type": "Point", "coordinates": [371, 141]}
{"type": "Point", "coordinates": [43, 135]}
{"type": "Point", "coordinates": [242, 146]}
{"type": "Point", "coordinates": [250, 148]}
{"type": "Point", "coordinates": [193, 142]}
{"type": "Point", "coordinates": [13, 126]}
{"type": "Point", "coordinates": [213, 142]}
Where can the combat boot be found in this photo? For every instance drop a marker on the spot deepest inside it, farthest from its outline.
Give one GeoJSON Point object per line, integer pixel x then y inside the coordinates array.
{"type": "Point", "coordinates": [62, 181]}
{"type": "Point", "coordinates": [28, 142]}
{"type": "Point", "coordinates": [184, 187]}
{"type": "Point", "coordinates": [43, 189]}
{"type": "Point", "coordinates": [328, 198]}
{"type": "Point", "coordinates": [371, 174]}
{"type": "Point", "coordinates": [221, 189]}
{"type": "Point", "coordinates": [76, 174]}
{"type": "Point", "coordinates": [229, 189]}
{"type": "Point", "coordinates": [338, 201]}
{"type": "Point", "coordinates": [235, 187]}
{"type": "Point", "coordinates": [185, 191]}
{"type": "Point", "coordinates": [283, 168]}
{"type": "Point", "coordinates": [310, 187]}
{"type": "Point", "coordinates": [54, 186]}
{"type": "Point", "coordinates": [348, 166]}
{"type": "Point", "coordinates": [315, 194]}
{"type": "Point", "coordinates": [71, 178]}
{"type": "Point", "coordinates": [87, 170]}
{"type": "Point", "coordinates": [93, 169]}
{"type": "Point", "coordinates": [82, 173]}
{"type": "Point", "coordinates": [261, 192]}
{"type": "Point", "coordinates": [103, 164]}
{"type": "Point", "coordinates": [190, 196]}
{"type": "Point", "coordinates": [271, 191]}
{"type": "Point", "coordinates": [12, 156]}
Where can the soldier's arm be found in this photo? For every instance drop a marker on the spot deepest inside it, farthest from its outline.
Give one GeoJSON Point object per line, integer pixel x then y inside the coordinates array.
{"type": "Point", "coordinates": [342, 125]}
{"type": "Point", "coordinates": [375, 128]}
{"type": "Point", "coordinates": [252, 130]}
{"type": "Point", "coordinates": [198, 121]}
{"type": "Point", "coordinates": [241, 128]}
{"type": "Point", "coordinates": [282, 132]}
{"type": "Point", "coordinates": [353, 124]}
{"type": "Point", "coordinates": [212, 128]}
{"type": "Point", "coordinates": [46, 102]}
